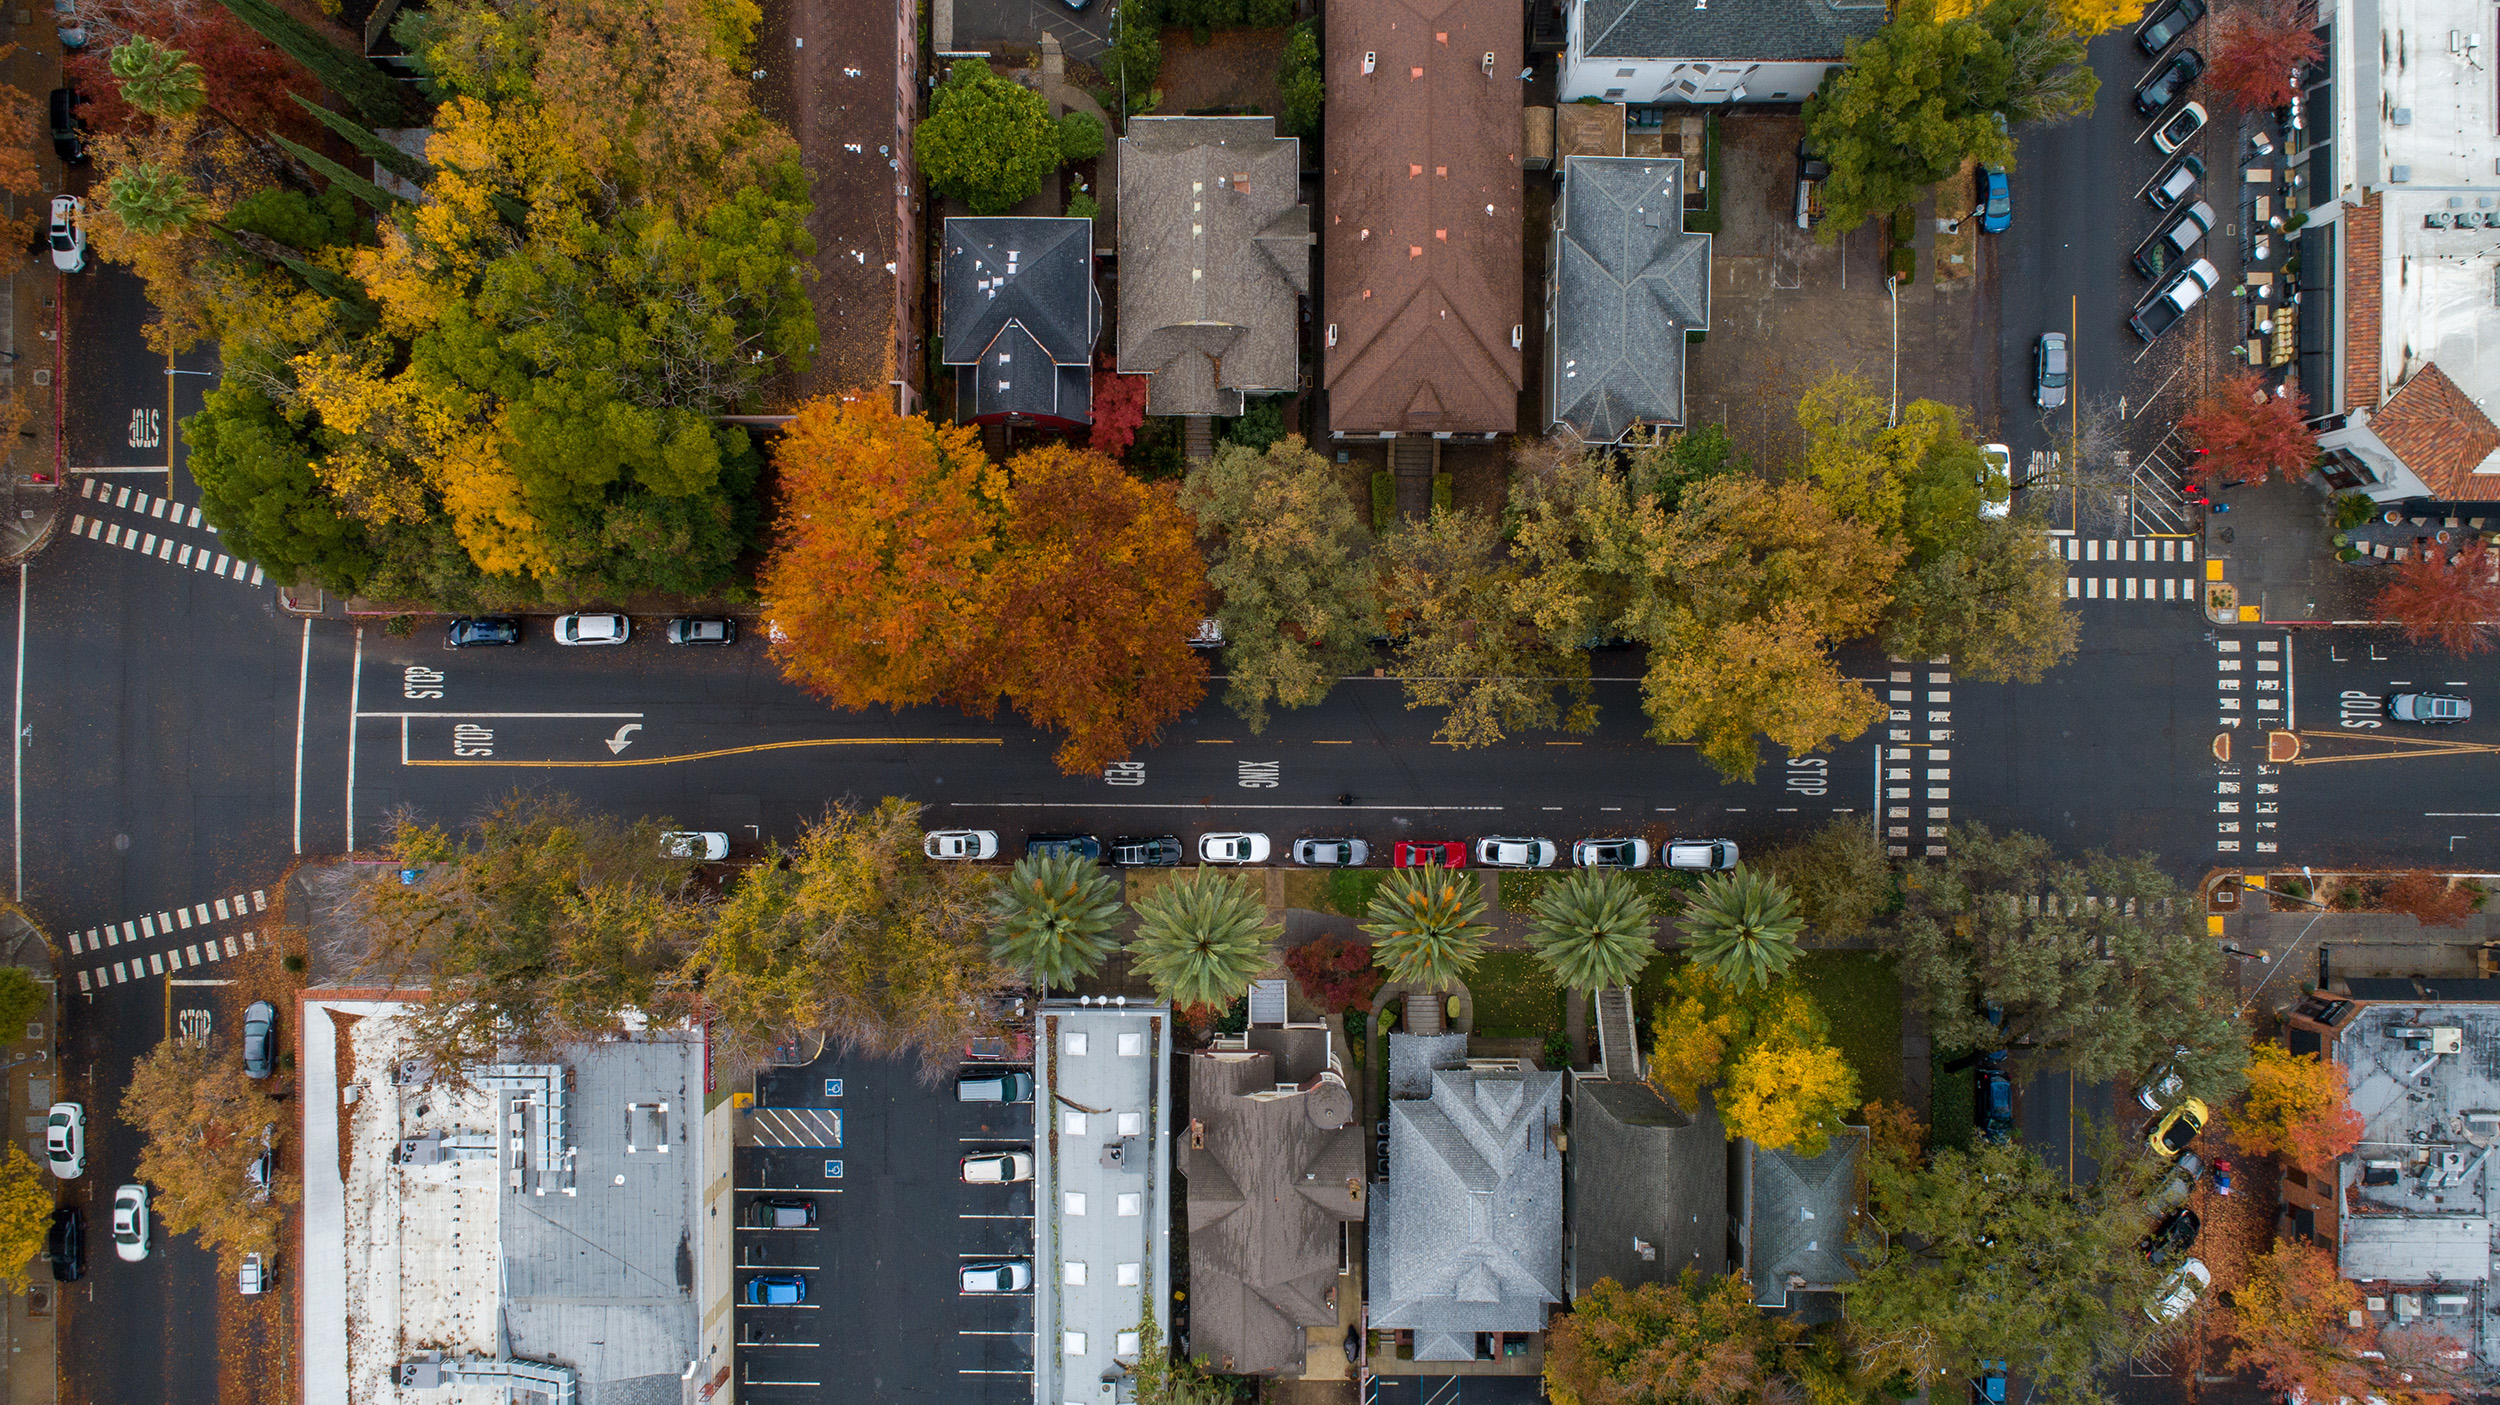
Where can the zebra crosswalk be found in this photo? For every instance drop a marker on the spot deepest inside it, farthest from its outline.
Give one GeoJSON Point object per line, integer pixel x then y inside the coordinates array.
{"type": "Point", "coordinates": [1904, 825]}
{"type": "Point", "coordinates": [2130, 568]}
{"type": "Point", "coordinates": [153, 532]}
{"type": "Point", "coordinates": [186, 928]}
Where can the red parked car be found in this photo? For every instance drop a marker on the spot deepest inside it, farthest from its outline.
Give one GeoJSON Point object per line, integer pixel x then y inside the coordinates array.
{"type": "Point", "coordinates": [1408, 853]}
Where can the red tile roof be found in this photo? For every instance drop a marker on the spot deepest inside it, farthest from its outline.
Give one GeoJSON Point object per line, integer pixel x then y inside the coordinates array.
{"type": "Point", "coordinates": [1423, 225]}
{"type": "Point", "coordinates": [2439, 433]}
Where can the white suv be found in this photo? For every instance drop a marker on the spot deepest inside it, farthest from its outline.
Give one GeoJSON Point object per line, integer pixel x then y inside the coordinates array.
{"type": "Point", "coordinates": [593, 629]}
{"type": "Point", "coordinates": [65, 1139]}
{"type": "Point", "coordinates": [1708, 855]}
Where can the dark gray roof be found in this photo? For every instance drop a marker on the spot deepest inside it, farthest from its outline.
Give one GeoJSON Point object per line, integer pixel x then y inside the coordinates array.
{"type": "Point", "coordinates": [1628, 283]}
{"type": "Point", "coordinates": [1640, 1169]}
{"type": "Point", "coordinates": [1268, 1185]}
{"type": "Point", "coordinates": [1805, 1210]}
{"type": "Point", "coordinates": [1413, 1057]}
{"type": "Point", "coordinates": [1467, 1236]}
{"type": "Point", "coordinates": [1758, 31]}
{"type": "Point", "coordinates": [1215, 253]}
{"type": "Point", "coordinates": [1300, 1054]}
{"type": "Point", "coordinates": [1018, 303]}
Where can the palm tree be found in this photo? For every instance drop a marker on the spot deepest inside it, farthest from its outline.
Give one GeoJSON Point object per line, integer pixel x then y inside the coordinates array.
{"type": "Point", "coordinates": [1743, 926]}
{"type": "Point", "coordinates": [1424, 928]}
{"type": "Point", "coordinates": [1053, 917]}
{"type": "Point", "coordinates": [1202, 938]}
{"type": "Point", "coordinates": [1593, 930]}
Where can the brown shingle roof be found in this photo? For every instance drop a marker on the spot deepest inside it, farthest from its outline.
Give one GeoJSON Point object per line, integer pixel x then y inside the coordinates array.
{"type": "Point", "coordinates": [2437, 431]}
{"type": "Point", "coordinates": [853, 126]}
{"type": "Point", "coordinates": [1423, 221]}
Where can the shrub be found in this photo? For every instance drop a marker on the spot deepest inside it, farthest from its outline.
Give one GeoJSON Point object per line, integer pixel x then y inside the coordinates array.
{"type": "Point", "coordinates": [1300, 79]}
{"type": "Point", "coordinates": [1384, 500]}
{"type": "Point", "coordinates": [1270, 14]}
{"type": "Point", "coordinates": [1441, 492]}
{"type": "Point", "coordinates": [1080, 137]}
{"type": "Point", "coordinates": [1336, 975]}
{"type": "Point", "coordinates": [2351, 510]}
{"type": "Point", "coordinates": [1260, 423]}
{"type": "Point", "coordinates": [1082, 206]}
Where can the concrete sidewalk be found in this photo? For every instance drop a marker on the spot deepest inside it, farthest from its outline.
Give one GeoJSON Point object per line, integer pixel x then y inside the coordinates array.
{"type": "Point", "coordinates": [2276, 548]}
{"type": "Point", "coordinates": [32, 367]}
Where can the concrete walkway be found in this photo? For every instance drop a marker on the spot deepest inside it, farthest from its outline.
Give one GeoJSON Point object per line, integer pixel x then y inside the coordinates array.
{"type": "Point", "coordinates": [1065, 98]}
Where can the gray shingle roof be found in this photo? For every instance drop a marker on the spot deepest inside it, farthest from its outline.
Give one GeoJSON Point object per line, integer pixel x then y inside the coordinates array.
{"type": "Point", "coordinates": [1215, 253]}
{"type": "Point", "coordinates": [1413, 1057]}
{"type": "Point", "coordinates": [1641, 1169]}
{"type": "Point", "coordinates": [1019, 312]}
{"type": "Point", "coordinates": [1758, 31]}
{"type": "Point", "coordinates": [1467, 1235]}
{"type": "Point", "coordinates": [1628, 282]}
{"type": "Point", "coordinates": [1268, 1186]}
{"type": "Point", "coordinates": [1804, 1212]}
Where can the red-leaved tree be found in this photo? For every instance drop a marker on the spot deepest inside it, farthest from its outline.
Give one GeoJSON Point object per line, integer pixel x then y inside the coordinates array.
{"type": "Point", "coordinates": [247, 78]}
{"type": "Point", "coordinates": [2247, 431]}
{"type": "Point", "coordinates": [1119, 408]}
{"type": "Point", "coordinates": [2430, 899]}
{"type": "Point", "coordinates": [2454, 604]}
{"type": "Point", "coordinates": [2258, 53]}
{"type": "Point", "coordinates": [1335, 974]}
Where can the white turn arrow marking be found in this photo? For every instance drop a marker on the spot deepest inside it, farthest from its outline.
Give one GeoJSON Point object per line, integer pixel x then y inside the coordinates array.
{"type": "Point", "coordinates": [623, 738]}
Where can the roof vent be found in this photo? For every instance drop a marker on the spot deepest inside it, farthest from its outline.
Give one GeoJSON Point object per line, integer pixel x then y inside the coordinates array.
{"type": "Point", "coordinates": [1332, 334]}
{"type": "Point", "coordinates": [1371, 60]}
{"type": "Point", "coordinates": [2398, 175]}
{"type": "Point", "coordinates": [1517, 331]}
{"type": "Point", "coordinates": [1488, 62]}
{"type": "Point", "coordinates": [2402, 117]}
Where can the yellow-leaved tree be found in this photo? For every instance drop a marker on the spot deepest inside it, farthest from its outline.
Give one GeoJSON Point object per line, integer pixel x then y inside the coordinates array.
{"type": "Point", "coordinates": [1778, 1078]}
{"type": "Point", "coordinates": [25, 1215]}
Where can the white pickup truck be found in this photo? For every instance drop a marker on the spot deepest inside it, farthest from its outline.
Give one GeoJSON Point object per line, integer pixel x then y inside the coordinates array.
{"type": "Point", "coordinates": [2184, 290]}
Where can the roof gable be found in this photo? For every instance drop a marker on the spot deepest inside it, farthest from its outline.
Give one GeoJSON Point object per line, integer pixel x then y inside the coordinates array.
{"type": "Point", "coordinates": [1423, 228]}
{"type": "Point", "coordinates": [1038, 273]}
{"type": "Point", "coordinates": [1628, 283]}
{"type": "Point", "coordinates": [2437, 431]}
{"type": "Point", "coordinates": [1804, 1210]}
{"type": "Point", "coordinates": [1469, 1231]}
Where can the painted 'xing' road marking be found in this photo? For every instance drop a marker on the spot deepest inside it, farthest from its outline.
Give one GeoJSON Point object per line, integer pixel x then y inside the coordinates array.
{"type": "Point", "coordinates": [715, 755]}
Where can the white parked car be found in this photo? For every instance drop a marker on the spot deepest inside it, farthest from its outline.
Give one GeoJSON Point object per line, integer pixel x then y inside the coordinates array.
{"type": "Point", "coordinates": [593, 629]}
{"type": "Point", "coordinates": [1515, 853]}
{"type": "Point", "coordinates": [2179, 1292]}
{"type": "Point", "coordinates": [960, 844]}
{"type": "Point", "coordinates": [1012, 1276]}
{"type": "Point", "coordinates": [2000, 464]}
{"type": "Point", "coordinates": [1610, 853]}
{"type": "Point", "coordinates": [1707, 855]}
{"type": "Point", "coordinates": [1233, 848]}
{"type": "Point", "coordinates": [130, 1223]}
{"type": "Point", "coordinates": [65, 1139]}
{"type": "Point", "coordinates": [253, 1278]}
{"type": "Point", "coordinates": [68, 235]}
{"type": "Point", "coordinates": [1003, 1168]}
{"type": "Point", "coordinates": [705, 845]}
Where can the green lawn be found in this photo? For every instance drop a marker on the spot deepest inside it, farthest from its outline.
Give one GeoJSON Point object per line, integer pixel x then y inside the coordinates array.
{"type": "Point", "coordinates": [1521, 889]}
{"type": "Point", "coordinates": [1515, 997]}
{"type": "Point", "coordinates": [1860, 993]}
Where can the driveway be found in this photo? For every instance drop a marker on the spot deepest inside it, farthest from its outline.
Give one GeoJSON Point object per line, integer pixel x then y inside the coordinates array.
{"type": "Point", "coordinates": [885, 1316]}
{"type": "Point", "coordinates": [984, 25]}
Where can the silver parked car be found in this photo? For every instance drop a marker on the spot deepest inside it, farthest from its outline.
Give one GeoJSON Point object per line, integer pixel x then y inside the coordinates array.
{"type": "Point", "coordinates": [1331, 853]}
{"type": "Point", "coordinates": [1501, 852]}
{"type": "Point", "coordinates": [1610, 853]}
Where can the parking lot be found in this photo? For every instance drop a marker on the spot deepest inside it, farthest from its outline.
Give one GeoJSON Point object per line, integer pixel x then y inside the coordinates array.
{"type": "Point", "coordinates": [876, 1153]}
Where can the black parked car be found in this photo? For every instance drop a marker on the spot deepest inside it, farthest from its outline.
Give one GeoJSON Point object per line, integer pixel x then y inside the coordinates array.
{"type": "Point", "coordinates": [2166, 25]}
{"type": "Point", "coordinates": [2171, 1239]}
{"type": "Point", "coordinates": [69, 131]}
{"type": "Point", "coordinates": [1161, 851]}
{"type": "Point", "coordinates": [67, 1245]}
{"type": "Point", "coordinates": [481, 631]}
{"type": "Point", "coordinates": [2168, 81]}
{"type": "Point", "coordinates": [1083, 846]}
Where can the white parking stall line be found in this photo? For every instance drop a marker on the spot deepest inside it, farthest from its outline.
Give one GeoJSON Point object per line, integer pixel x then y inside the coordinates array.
{"type": "Point", "coordinates": [123, 500]}
{"type": "Point", "coordinates": [95, 530]}
{"type": "Point", "coordinates": [195, 953]}
{"type": "Point", "coordinates": [82, 982]}
{"type": "Point", "coordinates": [229, 946]}
{"type": "Point", "coordinates": [118, 977]}
{"type": "Point", "coordinates": [86, 487]}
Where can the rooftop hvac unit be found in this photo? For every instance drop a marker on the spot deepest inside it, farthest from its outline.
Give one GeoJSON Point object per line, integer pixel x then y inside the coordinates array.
{"type": "Point", "coordinates": [2437, 1039]}
{"type": "Point", "coordinates": [2380, 1172]}
{"type": "Point", "coordinates": [2449, 1304]}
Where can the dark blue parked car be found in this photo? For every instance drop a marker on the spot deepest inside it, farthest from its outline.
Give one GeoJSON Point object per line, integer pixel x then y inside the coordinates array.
{"type": "Point", "coordinates": [1996, 1100]}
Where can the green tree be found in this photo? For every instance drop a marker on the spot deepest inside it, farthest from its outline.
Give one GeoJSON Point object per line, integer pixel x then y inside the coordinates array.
{"type": "Point", "coordinates": [987, 141]}
{"type": "Point", "coordinates": [1202, 937]}
{"type": "Point", "coordinates": [1593, 930]}
{"type": "Point", "coordinates": [1424, 928]}
{"type": "Point", "coordinates": [155, 79]}
{"type": "Point", "coordinates": [1670, 464]}
{"type": "Point", "coordinates": [852, 933]}
{"type": "Point", "coordinates": [1995, 603]}
{"type": "Point", "coordinates": [2100, 966]}
{"type": "Point", "coordinates": [1991, 1254]}
{"type": "Point", "coordinates": [1840, 876]}
{"type": "Point", "coordinates": [1697, 1339]}
{"type": "Point", "coordinates": [1290, 564]}
{"type": "Point", "coordinates": [1743, 926]}
{"type": "Point", "coordinates": [1053, 917]}
{"type": "Point", "coordinates": [1080, 136]}
{"type": "Point", "coordinates": [535, 924]}
{"type": "Point", "coordinates": [25, 1215]}
{"type": "Point", "coordinates": [1135, 58]}
{"type": "Point", "coordinates": [2040, 74]}
{"type": "Point", "coordinates": [1898, 117]}
{"type": "Point", "coordinates": [1470, 634]}
{"type": "Point", "coordinates": [1301, 79]}
{"type": "Point", "coordinates": [377, 99]}
{"type": "Point", "coordinates": [23, 1000]}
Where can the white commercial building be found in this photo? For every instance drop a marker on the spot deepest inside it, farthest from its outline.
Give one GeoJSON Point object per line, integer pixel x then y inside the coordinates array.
{"type": "Point", "coordinates": [1103, 1193]}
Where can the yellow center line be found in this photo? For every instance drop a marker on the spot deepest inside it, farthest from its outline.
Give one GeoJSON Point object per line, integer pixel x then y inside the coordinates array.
{"type": "Point", "coordinates": [1332, 743]}
{"type": "Point", "coordinates": [728, 751]}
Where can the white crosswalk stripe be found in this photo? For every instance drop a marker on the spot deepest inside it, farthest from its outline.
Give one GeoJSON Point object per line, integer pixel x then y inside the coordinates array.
{"type": "Point", "coordinates": [163, 547]}
{"type": "Point", "coordinates": [147, 926]}
{"type": "Point", "coordinates": [1905, 773]}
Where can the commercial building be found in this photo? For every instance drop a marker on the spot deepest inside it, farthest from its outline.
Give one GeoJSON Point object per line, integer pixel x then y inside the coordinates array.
{"type": "Point", "coordinates": [1103, 1188]}
{"type": "Point", "coordinates": [1676, 51]}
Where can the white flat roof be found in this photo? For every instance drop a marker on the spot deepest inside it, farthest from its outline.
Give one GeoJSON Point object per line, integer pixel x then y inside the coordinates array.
{"type": "Point", "coordinates": [1102, 1247]}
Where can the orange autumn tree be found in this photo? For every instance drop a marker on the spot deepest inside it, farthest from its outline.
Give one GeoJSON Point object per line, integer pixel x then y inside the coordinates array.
{"type": "Point", "coordinates": [1090, 611]}
{"type": "Point", "coordinates": [2290, 1325]}
{"type": "Point", "coordinates": [882, 553]}
{"type": "Point", "coordinates": [2298, 1107]}
{"type": "Point", "coordinates": [2453, 604]}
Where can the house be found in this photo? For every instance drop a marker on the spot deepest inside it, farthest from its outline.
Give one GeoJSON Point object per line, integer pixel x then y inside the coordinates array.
{"type": "Point", "coordinates": [2390, 200]}
{"type": "Point", "coordinates": [1215, 259]}
{"type": "Point", "coordinates": [1466, 1238]}
{"type": "Point", "coordinates": [1625, 285]}
{"type": "Point", "coordinates": [1422, 329]}
{"type": "Point", "coordinates": [1646, 1196]}
{"type": "Point", "coordinates": [1019, 315]}
{"type": "Point", "coordinates": [1102, 1189]}
{"type": "Point", "coordinates": [2409, 1213]}
{"type": "Point", "coordinates": [1676, 51]}
{"type": "Point", "coordinates": [1274, 1158]}
{"type": "Point", "coordinates": [855, 132]}
{"type": "Point", "coordinates": [1795, 1218]}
